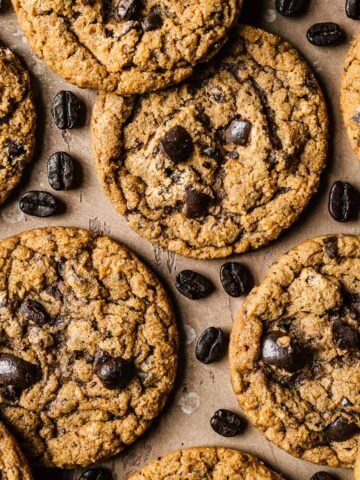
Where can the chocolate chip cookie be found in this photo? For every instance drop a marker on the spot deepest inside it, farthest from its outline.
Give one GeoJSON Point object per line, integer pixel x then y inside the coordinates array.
{"type": "Point", "coordinates": [126, 46]}
{"type": "Point", "coordinates": [294, 352]}
{"type": "Point", "coordinates": [206, 463]}
{"type": "Point", "coordinates": [13, 465]}
{"type": "Point", "coordinates": [221, 164]}
{"type": "Point", "coordinates": [350, 95]}
{"type": "Point", "coordinates": [17, 121]}
{"type": "Point", "coordinates": [88, 345]}
{"type": "Point", "coordinates": [357, 467]}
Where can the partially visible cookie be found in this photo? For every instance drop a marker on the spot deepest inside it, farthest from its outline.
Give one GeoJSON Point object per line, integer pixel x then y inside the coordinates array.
{"type": "Point", "coordinates": [295, 352]}
{"type": "Point", "coordinates": [206, 463]}
{"type": "Point", "coordinates": [223, 163]}
{"type": "Point", "coordinates": [17, 121]}
{"type": "Point", "coordinates": [357, 467]}
{"type": "Point", "coordinates": [126, 46]}
{"type": "Point", "coordinates": [13, 465]}
{"type": "Point", "coordinates": [88, 345]}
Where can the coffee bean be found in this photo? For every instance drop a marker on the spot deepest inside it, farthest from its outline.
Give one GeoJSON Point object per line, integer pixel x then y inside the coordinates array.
{"type": "Point", "coordinates": [238, 132]}
{"type": "Point", "coordinates": [227, 423]}
{"type": "Point", "coordinates": [66, 110]}
{"type": "Point", "coordinates": [38, 204]}
{"type": "Point", "coordinates": [17, 372]}
{"type": "Point", "coordinates": [193, 285]}
{"type": "Point", "coordinates": [352, 8]}
{"type": "Point", "coordinates": [61, 171]}
{"type": "Point", "coordinates": [325, 34]}
{"type": "Point", "coordinates": [344, 336]}
{"type": "Point", "coordinates": [113, 373]}
{"type": "Point", "coordinates": [281, 351]}
{"type": "Point", "coordinates": [34, 312]}
{"type": "Point", "coordinates": [340, 430]}
{"type": "Point", "coordinates": [177, 144]}
{"type": "Point", "coordinates": [152, 22]}
{"type": "Point", "coordinates": [291, 8]}
{"type": "Point", "coordinates": [211, 345]}
{"type": "Point", "coordinates": [127, 9]}
{"type": "Point", "coordinates": [236, 279]}
{"type": "Point", "coordinates": [343, 205]}
{"type": "Point", "coordinates": [331, 247]}
{"type": "Point", "coordinates": [196, 203]}
{"type": "Point", "coordinates": [95, 474]}
{"type": "Point", "coordinates": [322, 476]}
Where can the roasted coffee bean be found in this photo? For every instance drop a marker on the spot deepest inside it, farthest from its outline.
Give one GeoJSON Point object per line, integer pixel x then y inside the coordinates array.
{"type": "Point", "coordinates": [34, 312]}
{"type": "Point", "coordinates": [193, 285]}
{"type": "Point", "coordinates": [343, 205]}
{"type": "Point", "coordinates": [113, 373]}
{"type": "Point", "coordinates": [66, 110]}
{"type": "Point", "coordinates": [212, 152]}
{"type": "Point", "coordinates": [281, 351]}
{"type": "Point", "coordinates": [238, 132]}
{"type": "Point", "coordinates": [331, 247]}
{"type": "Point", "coordinates": [17, 372]}
{"type": "Point", "coordinates": [227, 423]}
{"type": "Point", "coordinates": [152, 22]}
{"type": "Point", "coordinates": [211, 345]}
{"type": "Point", "coordinates": [196, 203]}
{"type": "Point", "coordinates": [341, 430]}
{"type": "Point", "coordinates": [61, 171]}
{"type": "Point", "coordinates": [177, 144]}
{"type": "Point", "coordinates": [322, 476]}
{"type": "Point", "coordinates": [127, 9]}
{"type": "Point", "coordinates": [325, 34]}
{"type": "Point", "coordinates": [344, 336]}
{"type": "Point", "coordinates": [38, 204]}
{"type": "Point", "coordinates": [236, 279]}
{"type": "Point", "coordinates": [95, 474]}
{"type": "Point", "coordinates": [291, 8]}
{"type": "Point", "coordinates": [352, 8]}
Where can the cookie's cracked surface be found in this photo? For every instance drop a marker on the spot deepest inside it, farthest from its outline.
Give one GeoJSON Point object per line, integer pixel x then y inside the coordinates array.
{"type": "Point", "coordinates": [294, 352]}
{"type": "Point", "coordinates": [17, 122]}
{"type": "Point", "coordinates": [144, 46]}
{"type": "Point", "coordinates": [206, 464]}
{"type": "Point", "coordinates": [13, 465]}
{"type": "Point", "coordinates": [350, 95]}
{"type": "Point", "coordinates": [221, 164]}
{"type": "Point", "coordinates": [98, 330]}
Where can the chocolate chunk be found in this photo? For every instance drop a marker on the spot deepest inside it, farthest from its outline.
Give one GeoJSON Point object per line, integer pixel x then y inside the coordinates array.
{"type": "Point", "coordinates": [352, 8]}
{"type": "Point", "coordinates": [197, 203]}
{"type": "Point", "coordinates": [344, 336]}
{"type": "Point", "coordinates": [356, 118]}
{"type": "Point", "coordinates": [61, 171]}
{"type": "Point", "coordinates": [96, 474]}
{"type": "Point", "coordinates": [236, 279]}
{"type": "Point", "coordinates": [127, 9]}
{"type": "Point", "coordinates": [113, 373]}
{"type": "Point", "coordinates": [177, 144]}
{"type": "Point", "coordinates": [211, 345]}
{"type": "Point", "coordinates": [10, 393]}
{"type": "Point", "coordinates": [17, 372]}
{"type": "Point", "coordinates": [152, 22]}
{"type": "Point", "coordinates": [15, 150]}
{"type": "Point", "coordinates": [227, 423]}
{"type": "Point", "coordinates": [291, 8]}
{"type": "Point", "coordinates": [352, 304]}
{"type": "Point", "coordinates": [212, 152]}
{"type": "Point", "coordinates": [38, 204]}
{"type": "Point", "coordinates": [193, 285]}
{"type": "Point", "coordinates": [325, 34]}
{"type": "Point", "coordinates": [281, 351]}
{"type": "Point", "coordinates": [238, 132]}
{"type": "Point", "coordinates": [66, 110]}
{"type": "Point", "coordinates": [331, 247]}
{"type": "Point", "coordinates": [34, 312]}
{"type": "Point", "coordinates": [343, 204]}
{"type": "Point", "coordinates": [322, 476]}
{"type": "Point", "coordinates": [340, 430]}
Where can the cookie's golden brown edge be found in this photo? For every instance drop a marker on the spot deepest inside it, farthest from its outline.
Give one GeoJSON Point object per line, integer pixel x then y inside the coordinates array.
{"type": "Point", "coordinates": [13, 465]}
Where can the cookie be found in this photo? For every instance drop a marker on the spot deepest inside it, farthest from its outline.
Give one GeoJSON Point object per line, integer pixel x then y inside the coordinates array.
{"type": "Point", "coordinates": [350, 95]}
{"type": "Point", "coordinates": [17, 122]}
{"type": "Point", "coordinates": [294, 352]}
{"type": "Point", "coordinates": [206, 464]}
{"type": "Point", "coordinates": [88, 345]}
{"type": "Point", "coordinates": [221, 164]}
{"type": "Point", "coordinates": [13, 465]}
{"type": "Point", "coordinates": [357, 467]}
{"type": "Point", "coordinates": [126, 46]}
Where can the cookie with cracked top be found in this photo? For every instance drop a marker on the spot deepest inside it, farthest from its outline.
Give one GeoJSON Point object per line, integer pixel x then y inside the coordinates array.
{"type": "Point", "coordinates": [223, 163]}
{"type": "Point", "coordinates": [88, 345]}
{"type": "Point", "coordinates": [17, 121]}
{"type": "Point", "coordinates": [210, 463]}
{"type": "Point", "coordinates": [13, 465]}
{"type": "Point", "coordinates": [126, 46]}
{"type": "Point", "coordinates": [295, 352]}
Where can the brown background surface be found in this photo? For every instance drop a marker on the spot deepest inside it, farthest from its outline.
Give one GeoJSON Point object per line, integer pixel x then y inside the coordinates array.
{"type": "Point", "coordinates": [201, 389]}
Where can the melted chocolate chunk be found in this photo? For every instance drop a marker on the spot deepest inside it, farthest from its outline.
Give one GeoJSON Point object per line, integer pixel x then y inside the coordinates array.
{"type": "Point", "coordinates": [344, 336]}
{"type": "Point", "coordinates": [34, 312]}
{"type": "Point", "coordinates": [340, 430]}
{"type": "Point", "coordinates": [18, 373]}
{"type": "Point", "coordinates": [152, 22]}
{"type": "Point", "coordinates": [331, 247]}
{"type": "Point", "coordinates": [238, 132]}
{"type": "Point", "coordinates": [281, 351]}
{"type": "Point", "coordinates": [177, 144]}
{"type": "Point", "coordinates": [197, 203]}
{"type": "Point", "coordinates": [113, 373]}
{"type": "Point", "coordinates": [127, 9]}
